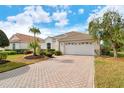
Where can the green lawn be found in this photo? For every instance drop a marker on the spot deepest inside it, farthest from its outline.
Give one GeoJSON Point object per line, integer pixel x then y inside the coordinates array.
{"type": "Point", "coordinates": [109, 72]}
{"type": "Point", "coordinates": [17, 61]}
{"type": "Point", "coordinates": [10, 65]}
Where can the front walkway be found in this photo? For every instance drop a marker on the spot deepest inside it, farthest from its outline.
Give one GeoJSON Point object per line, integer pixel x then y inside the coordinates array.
{"type": "Point", "coordinates": [64, 72]}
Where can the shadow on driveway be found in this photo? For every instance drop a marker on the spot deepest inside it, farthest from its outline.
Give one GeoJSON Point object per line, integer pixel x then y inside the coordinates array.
{"type": "Point", "coordinates": [63, 61]}
{"type": "Point", "coordinates": [14, 73]}
{"type": "Point", "coordinates": [67, 61]}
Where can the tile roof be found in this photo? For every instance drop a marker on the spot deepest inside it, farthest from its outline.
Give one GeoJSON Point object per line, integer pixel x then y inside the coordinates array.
{"type": "Point", "coordinates": [73, 36]}
{"type": "Point", "coordinates": [23, 38]}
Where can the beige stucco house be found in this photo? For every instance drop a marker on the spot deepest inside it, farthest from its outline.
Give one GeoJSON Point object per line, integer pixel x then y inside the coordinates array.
{"type": "Point", "coordinates": [76, 43]}
{"type": "Point", "coordinates": [21, 41]}
{"type": "Point", "coordinates": [73, 43]}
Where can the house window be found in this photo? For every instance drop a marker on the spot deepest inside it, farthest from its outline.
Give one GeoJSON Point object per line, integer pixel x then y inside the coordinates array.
{"type": "Point", "coordinates": [13, 46]}
{"type": "Point", "coordinates": [48, 45]}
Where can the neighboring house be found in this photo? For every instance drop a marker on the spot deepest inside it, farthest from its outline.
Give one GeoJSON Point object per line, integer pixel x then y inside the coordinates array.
{"type": "Point", "coordinates": [21, 41]}
{"type": "Point", "coordinates": [76, 43]}
{"type": "Point", "coordinates": [1, 48]}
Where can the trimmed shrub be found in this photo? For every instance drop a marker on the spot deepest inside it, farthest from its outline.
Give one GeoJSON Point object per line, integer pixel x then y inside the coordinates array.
{"type": "Point", "coordinates": [51, 50]}
{"type": "Point", "coordinates": [105, 52]}
{"type": "Point", "coordinates": [48, 54]}
{"type": "Point", "coordinates": [3, 56]}
{"type": "Point", "coordinates": [9, 52]}
{"type": "Point", "coordinates": [58, 53]}
{"type": "Point", "coordinates": [21, 51]}
{"type": "Point", "coordinates": [42, 53]}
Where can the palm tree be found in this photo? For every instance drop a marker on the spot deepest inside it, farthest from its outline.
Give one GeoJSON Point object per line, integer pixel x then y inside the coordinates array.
{"type": "Point", "coordinates": [35, 31]}
{"type": "Point", "coordinates": [34, 45]}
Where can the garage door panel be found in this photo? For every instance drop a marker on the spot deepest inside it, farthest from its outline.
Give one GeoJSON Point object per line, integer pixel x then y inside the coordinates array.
{"type": "Point", "coordinates": [79, 49]}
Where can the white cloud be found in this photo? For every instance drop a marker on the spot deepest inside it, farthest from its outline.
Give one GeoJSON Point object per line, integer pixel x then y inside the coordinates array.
{"type": "Point", "coordinates": [32, 14]}
{"type": "Point", "coordinates": [100, 11]}
{"type": "Point", "coordinates": [45, 32]}
{"type": "Point", "coordinates": [38, 14]}
{"type": "Point", "coordinates": [11, 28]}
{"type": "Point", "coordinates": [60, 15]}
{"type": "Point", "coordinates": [21, 22]}
{"type": "Point", "coordinates": [81, 11]}
{"type": "Point", "coordinates": [60, 18]}
{"type": "Point", "coordinates": [78, 27]}
{"type": "Point", "coordinates": [61, 23]}
{"type": "Point", "coordinates": [60, 8]}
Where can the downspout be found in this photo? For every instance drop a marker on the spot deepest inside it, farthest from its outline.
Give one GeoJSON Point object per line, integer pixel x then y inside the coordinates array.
{"type": "Point", "coordinates": [64, 48]}
{"type": "Point", "coordinates": [59, 45]}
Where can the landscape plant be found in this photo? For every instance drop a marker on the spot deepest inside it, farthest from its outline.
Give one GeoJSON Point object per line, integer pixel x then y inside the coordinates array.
{"type": "Point", "coordinates": [48, 54]}
{"type": "Point", "coordinates": [34, 44]}
{"type": "Point", "coordinates": [108, 28]}
{"type": "Point", "coordinates": [58, 53]}
{"type": "Point", "coordinates": [4, 41]}
{"type": "Point", "coordinates": [3, 56]}
{"type": "Point", "coordinates": [9, 52]}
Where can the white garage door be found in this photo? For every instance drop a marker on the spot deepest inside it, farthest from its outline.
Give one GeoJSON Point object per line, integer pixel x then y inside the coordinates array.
{"type": "Point", "coordinates": [81, 48]}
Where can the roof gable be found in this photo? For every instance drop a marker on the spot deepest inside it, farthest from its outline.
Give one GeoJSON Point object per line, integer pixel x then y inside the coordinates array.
{"type": "Point", "coordinates": [74, 35]}
{"type": "Point", "coordinates": [23, 38]}
{"type": "Point", "coordinates": [14, 38]}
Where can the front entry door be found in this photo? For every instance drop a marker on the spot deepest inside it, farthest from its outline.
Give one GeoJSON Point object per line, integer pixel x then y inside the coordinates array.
{"type": "Point", "coordinates": [13, 46]}
{"type": "Point", "coordinates": [48, 45]}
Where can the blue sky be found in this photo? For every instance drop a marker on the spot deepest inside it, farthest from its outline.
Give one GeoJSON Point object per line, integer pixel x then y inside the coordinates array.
{"type": "Point", "coordinates": [51, 20]}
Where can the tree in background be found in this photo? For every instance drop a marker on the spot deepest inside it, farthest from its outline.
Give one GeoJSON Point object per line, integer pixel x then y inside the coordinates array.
{"type": "Point", "coordinates": [34, 44]}
{"type": "Point", "coordinates": [113, 27]}
{"type": "Point", "coordinates": [96, 31]}
{"type": "Point", "coordinates": [4, 41]}
{"type": "Point", "coordinates": [109, 28]}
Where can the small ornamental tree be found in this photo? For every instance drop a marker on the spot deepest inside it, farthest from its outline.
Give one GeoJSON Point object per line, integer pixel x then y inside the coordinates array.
{"type": "Point", "coordinates": [34, 44]}
{"type": "Point", "coordinates": [4, 41]}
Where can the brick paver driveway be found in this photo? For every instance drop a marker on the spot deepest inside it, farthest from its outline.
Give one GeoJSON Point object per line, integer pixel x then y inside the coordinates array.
{"type": "Point", "coordinates": [63, 71]}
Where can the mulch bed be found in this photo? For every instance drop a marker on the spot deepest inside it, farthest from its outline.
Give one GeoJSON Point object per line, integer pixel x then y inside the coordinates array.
{"type": "Point", "coordinates": [33, 57]}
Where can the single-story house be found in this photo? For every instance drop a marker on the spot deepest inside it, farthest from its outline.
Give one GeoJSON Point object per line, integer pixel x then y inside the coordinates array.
{"type": "Point", "coordinates": [21, 41]}
{"type": "Point", "coordinates": [1, 48]}
{"type": "Point", "coordinates": [73, 43]}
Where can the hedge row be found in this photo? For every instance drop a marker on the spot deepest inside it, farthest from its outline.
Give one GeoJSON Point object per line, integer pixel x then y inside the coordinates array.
{"type": "Point", "coordinates": [21, 51]}
{"type": "Point", "coordinates": [9, 52]}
